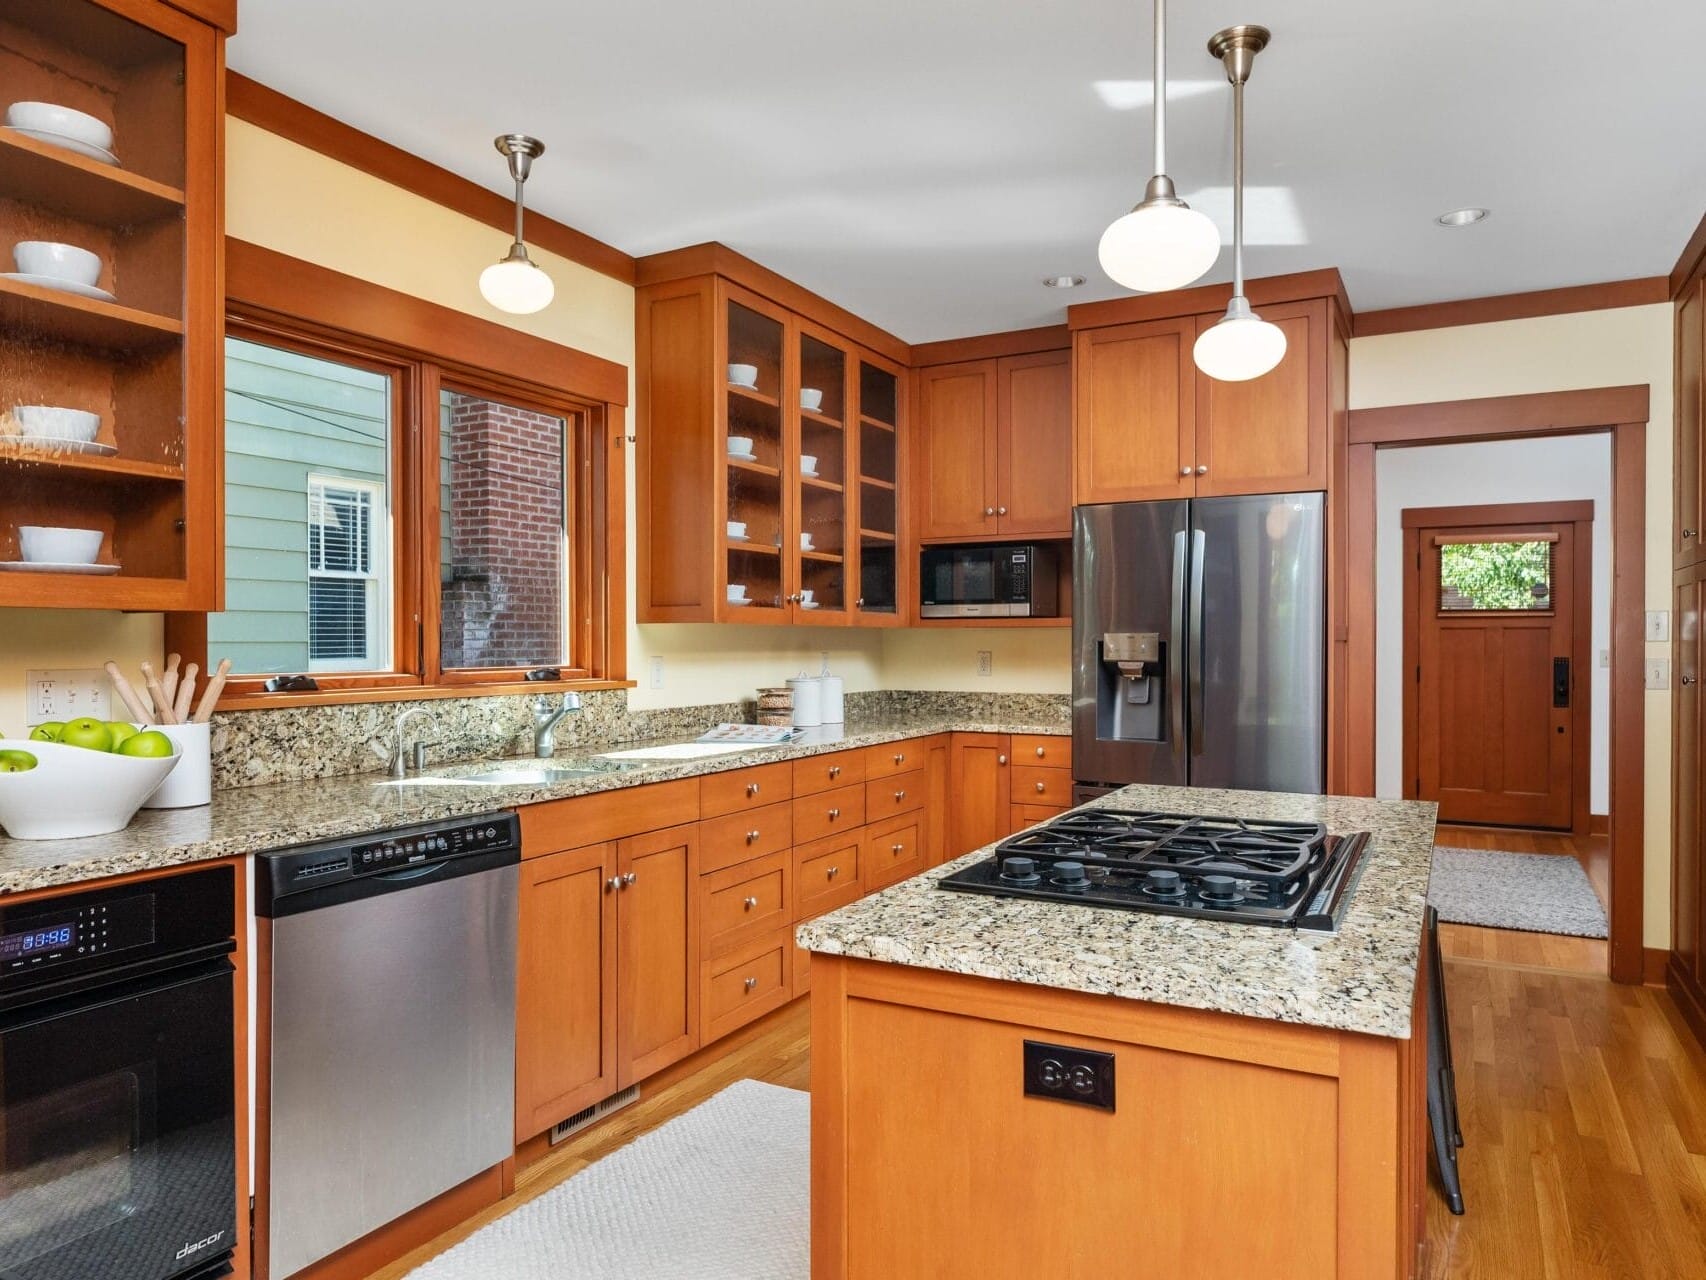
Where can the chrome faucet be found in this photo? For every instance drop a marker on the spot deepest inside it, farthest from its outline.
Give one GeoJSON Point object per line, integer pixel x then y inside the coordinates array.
{"type": "Point", "coordinates": [400, 756]}
{"type": "Point", "coordinates": [545, 718]}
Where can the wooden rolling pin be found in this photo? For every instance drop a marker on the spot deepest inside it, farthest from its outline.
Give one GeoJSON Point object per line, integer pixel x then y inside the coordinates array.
{"type": "Point", "coordinates": [169, 678]}
{"type": "Point", "coordinates": [162, 704]}
{"type": "Point", "coordinates": [215, 686]}
{"type": "Point", "coordinates": [127, 694]}
{"type": "Point", "coordinates": [185, 695]}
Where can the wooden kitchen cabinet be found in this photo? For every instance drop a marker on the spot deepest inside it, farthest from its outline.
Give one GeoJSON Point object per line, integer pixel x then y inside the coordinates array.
{"type": "Point", "coordinates": [937, 769]}
{"type": "Point", "coordinates": [148, 360]}
{"type": "Point", "coordinates": [657, 937]}
{"type": "Point", "coordinates": [565, 1014]}
{"type": "Point", "coordinates": [1268, 435]}
{"type": "Point", "coordinates": [980, 791]}
{"type": "Point", "coordinates": [995, 448]}
{"type": "Point", "coordinates": [1134, 421]}
{"type": "Point", "coordinates": [1690, 414]}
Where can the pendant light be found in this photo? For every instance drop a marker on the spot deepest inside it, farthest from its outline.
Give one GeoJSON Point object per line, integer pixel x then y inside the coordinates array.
{"type": "Point", "coordinates": [514, 284]}
{"type": "Point", "coordinates": [1163, 243]}
{"type": "Point", "coordinates": [1241, 345]}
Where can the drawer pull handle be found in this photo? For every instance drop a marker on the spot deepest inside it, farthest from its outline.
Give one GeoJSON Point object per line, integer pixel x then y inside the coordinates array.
{"type": "Point", "coordinates": [1040, 755]}
{"type": "Point", "coordinates": [897, 848]}
{"type": "Point", "coordinates": [834, 814]}
{"type": "Point", "coordinates": [752, 835]}
{"type": "Point", "coordinates": [899, 796]}
{"type": "Point", "coordinates": [750, 903]}
{"type": "Point", "coordinates": [1041, 788]}
{"type": "Point", "coordinates": [833, 872]}
{"type": "Point", "coordinates": [752, 788]}
{"type": "Point", "coordinates": [752, 984]}
{"type": "Point", "coordinates": [900, 757]}
{"type": "Point", "coordinates": [834, 771]}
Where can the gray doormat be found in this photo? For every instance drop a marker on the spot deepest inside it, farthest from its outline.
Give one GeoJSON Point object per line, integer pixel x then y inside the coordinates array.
{"type": "Point", "coordinates": [1537, 892]}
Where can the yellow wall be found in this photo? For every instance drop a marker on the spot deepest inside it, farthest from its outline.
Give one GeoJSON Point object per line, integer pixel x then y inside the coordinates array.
{"type": "Point", "coordinates": [1562, 353]}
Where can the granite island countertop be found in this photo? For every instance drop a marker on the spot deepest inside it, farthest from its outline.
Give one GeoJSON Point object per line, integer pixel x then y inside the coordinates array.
{"type": "Point", "coordinates": [1361, 979]}
{"type": "Point", "coordinates": [249, 820]}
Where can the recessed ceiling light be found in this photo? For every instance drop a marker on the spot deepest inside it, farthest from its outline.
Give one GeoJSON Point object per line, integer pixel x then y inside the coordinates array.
{"type": "Point", "coordinates": [1461, 217]}
{"type": "Point", "coordinates": [1063, 282]}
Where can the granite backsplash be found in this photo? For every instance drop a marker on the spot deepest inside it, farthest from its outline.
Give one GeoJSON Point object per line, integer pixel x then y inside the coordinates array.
{"type": "Point", "coordinates": [254, 748]}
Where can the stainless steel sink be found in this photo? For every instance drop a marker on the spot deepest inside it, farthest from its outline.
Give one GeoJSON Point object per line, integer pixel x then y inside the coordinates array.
{"type": "Point", "coordinates": [505, 776]}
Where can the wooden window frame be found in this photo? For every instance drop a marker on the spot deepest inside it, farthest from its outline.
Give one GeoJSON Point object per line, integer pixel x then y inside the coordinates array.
{"type": "Point", "coordinates": [281, 301]}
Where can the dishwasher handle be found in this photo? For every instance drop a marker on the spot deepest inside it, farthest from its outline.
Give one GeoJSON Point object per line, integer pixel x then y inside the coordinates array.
{"type": "Point", "coordinates": [378, 884]}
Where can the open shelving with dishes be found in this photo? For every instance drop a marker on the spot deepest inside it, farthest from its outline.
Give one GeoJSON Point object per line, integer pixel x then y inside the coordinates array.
{"type": "Point", "coordinates": [110, 219]}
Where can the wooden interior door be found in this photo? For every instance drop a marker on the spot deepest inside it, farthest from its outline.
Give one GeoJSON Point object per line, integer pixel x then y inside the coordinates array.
{"type": "Point", "coordinates": [657, 934]}
{"type": "Point", "coordinates": [1268, 435]}
{"type": "Point", "coordinates": [1498, 724]}
{"type": "Point", "coordinates": [1690, 374]}
{"type": "Point", "coordinates": [1134, 412]}
{"type": "Point", "coordinates": [1033, 445]}
{"type": "Point", "coordinates": [956, 451]}
{"type": "Point", "coordinates": [979, 791]}
{"type": "Point", "coordinates": [565, 1015]}
{"type": "Point", "coordinates": [1688, 874]}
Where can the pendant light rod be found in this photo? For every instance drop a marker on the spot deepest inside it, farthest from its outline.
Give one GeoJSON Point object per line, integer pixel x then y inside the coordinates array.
{"type": "Point", "coordinates": [1160, 86]}
{"type": "Point", "coordinates": [1237, 47]}
{"type": "Point", "coordinates": [520, 149]}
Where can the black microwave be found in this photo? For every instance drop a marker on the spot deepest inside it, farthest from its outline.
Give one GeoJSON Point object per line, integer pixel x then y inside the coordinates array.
{"type": "Point", "coordinates": [1008, 581]}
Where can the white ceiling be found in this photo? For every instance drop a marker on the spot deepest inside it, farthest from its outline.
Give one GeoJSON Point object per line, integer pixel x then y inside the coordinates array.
{"type": "Point", "coordinates": [925, 162]}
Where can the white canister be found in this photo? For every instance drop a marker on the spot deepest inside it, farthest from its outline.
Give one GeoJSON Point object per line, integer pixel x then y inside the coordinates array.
{"type": "Point", "coordinates": [191, 782]}
{"type": "Point", "coordinates": [833, 712]}
{"type": "Point", "coordinates": [808, 701]}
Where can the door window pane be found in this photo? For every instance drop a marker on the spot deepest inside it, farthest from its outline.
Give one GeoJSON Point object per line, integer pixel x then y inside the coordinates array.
{"type": "Point", "coordinates": [307, 514]}
{"type": "Point", "coordinates": [1502, 576]}
{"type": "Point", "coordinates": [503, 536]}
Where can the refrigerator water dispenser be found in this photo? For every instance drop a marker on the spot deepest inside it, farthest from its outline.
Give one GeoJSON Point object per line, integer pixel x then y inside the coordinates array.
{"type": "Point", "coordinates": [1134, 680]}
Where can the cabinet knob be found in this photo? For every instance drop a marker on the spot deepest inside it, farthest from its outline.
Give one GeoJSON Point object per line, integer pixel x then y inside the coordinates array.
{"type": "Point", "coordinates": [900, 757]}
{"type": "Point", "coordinates": [1040, 753]}
{"type": "Point", "coordinates": [749, 903]}
{"type": "Point", "coordinates": [989, 511]}
{"type": "Point", "coordinates": [613, 884]}
{"type": "Point", "coordinates": [752, 788]}
{"type": "Point", "coordinates": [1184, 471]}
{"type": "Point", "coordinates": [1688, 533]}
{"type": "Point", "coordinates": [628, 880]}
{"type": "Point", "coordinates": [752, 984]}
{"type": "Point", "coordinates": [1001, 511]}
{"type": "Point", "coordinates": [1202, 471]}
{"type": "Point", "coordinates": [833, 872]}
{"type": "Point", "coordinates": [752, 836]}
{"type": "Point", "coordinates": [1000, 759]}
{"type": "Point", "coordinates": [899, 796]}
{"type": "Point", "coordinates": [860, 602]}
{"type": "Point", "coordinates": [897, 848]}
{"type": "Point", "coordinates": [1041, 788]}
{"type": "Point", "coordinates": [834, 814]}
{"type": "Point", "coordinates": [1688, 680]}
{"type": "Point", "coordinates": [834, 771]}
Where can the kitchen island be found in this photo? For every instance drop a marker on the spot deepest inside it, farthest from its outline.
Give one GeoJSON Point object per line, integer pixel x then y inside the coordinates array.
{"type": "Point", "coordinates": [1261, 1110]}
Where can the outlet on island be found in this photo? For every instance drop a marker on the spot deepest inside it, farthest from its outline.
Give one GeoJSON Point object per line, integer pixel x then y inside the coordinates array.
{"type": "Point", "coordinates": [1067, 1074]}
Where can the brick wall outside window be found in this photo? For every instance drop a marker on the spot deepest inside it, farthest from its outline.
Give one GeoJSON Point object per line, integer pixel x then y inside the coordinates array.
{"type": "Point", "coordinates": [503, 588]}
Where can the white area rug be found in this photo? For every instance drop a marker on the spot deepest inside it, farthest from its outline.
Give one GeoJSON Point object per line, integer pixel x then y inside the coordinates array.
{"type": "Point", "coordinates": [1539, 892]}
{"type": "Point", "coordinates": [720, 1193]}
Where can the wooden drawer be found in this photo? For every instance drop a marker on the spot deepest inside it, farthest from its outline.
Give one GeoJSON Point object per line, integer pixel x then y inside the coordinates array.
{"type": "Point", "coordinates": [741, 789]}
{"type": "Point", "coordinates": [572, 824]}
{"type": "Point", "coordinates": [901, 793]}
{"type": "Point", "coordinates": [802, 971]}
{"type": "Point", "coordinates": [1028, 815]}
{"type": "Point", "coordinates": [826, 874]}
{"type": "Point", "coordinates": [820, 773]}
{"type": "Point", "coordinates": [894, 757]}
{"type": "Point", "coordinates": [829, 813]}
{"type": "Point", "coordinates": [893, 851]}
{"type": "Point", "coordinates": [746, 983]}
{"type": "Point", "coordinates": [1043, 750]}
{"type": "Point", "coordinates": [1049, 787]}
{"type": "Point", "coordinates": [743, 901]}
{"type": "Point", "coordinates": [739, 837]}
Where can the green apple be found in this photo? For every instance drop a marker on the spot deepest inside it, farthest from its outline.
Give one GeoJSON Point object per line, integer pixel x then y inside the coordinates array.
{"type": "Point", "coordinates": [15, 761]}
{"type": "Point", "coordinates": [120, 730]}
{"type": "Point", "coordinates": [88, 733]}
{"type": "Point", "coordinates": [47, 731]}
{"type": "Point", "coordinates": [150, 743]}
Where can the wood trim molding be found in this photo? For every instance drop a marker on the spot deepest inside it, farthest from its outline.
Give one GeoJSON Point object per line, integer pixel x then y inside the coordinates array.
{"type": "Point", "coordinates": [216, 13]}
{"type": "Point", "coordinates": [993, 346]}
{"type": "Point", "coordinates": [1654, 961]}
{"type": "Point", "coordinates": [268, 109]}
{"type": "Point", "coordinates": [1299, 286]}
{"type": "Point", "coordinates": [1490, 417]}
{"type": "Point", "coordinates": [271, 283]}
{"type": "Point", "coordinates": [1690, 262]}
{"type": "Point", "coordinates": [712, 258]}
{"type": "Point", "coordinates": [1498, 513]}
{"type": "Point", "coordinates": [1514, 306]}
{"type": "Point", "coordinates": [1592, 411]}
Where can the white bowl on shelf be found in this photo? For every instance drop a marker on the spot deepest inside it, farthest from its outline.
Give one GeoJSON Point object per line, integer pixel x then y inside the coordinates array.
{"type": "Point", "coordinates": [51, 422]}
{"type": "Point", "coordinates": [75, 792]}
{"type": "Point", "coordinates": [811, 399]}
{"type": "Point", "coordinates": [50, 117]}
{"type": "Point", "coordinates": [44, 544]}
{"type": "Point", "coordinates": [57, 261]}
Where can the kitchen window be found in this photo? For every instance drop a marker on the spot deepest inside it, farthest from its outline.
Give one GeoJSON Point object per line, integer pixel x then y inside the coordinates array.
{"type": "Point", "coordinates": [347, 596]}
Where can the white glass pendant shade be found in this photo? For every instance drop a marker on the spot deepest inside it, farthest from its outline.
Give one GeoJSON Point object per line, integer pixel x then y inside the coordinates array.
{"type": "Point", "coordinates": [517, 286]}
{"type": "Point", "coordinates": [1239, 346]}
{"type": "Point", "coordinates": [1157, 247]}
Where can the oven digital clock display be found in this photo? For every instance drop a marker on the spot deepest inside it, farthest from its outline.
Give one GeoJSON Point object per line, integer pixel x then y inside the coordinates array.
{"type": "Point", "coordinates": [18, 946]}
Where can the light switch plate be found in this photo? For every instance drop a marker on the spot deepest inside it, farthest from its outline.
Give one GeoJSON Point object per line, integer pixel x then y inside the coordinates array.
{"type": "Point", "coordinates": [1658, 626]}
{"type": "Point", "coordinates": [66, 695]}
{"type": "Point", "coordinates": [985, 662]}
{"type": "Point", "coordinates": [1658, 673]}
{"type": "Point", "coordinates": [657, 672]}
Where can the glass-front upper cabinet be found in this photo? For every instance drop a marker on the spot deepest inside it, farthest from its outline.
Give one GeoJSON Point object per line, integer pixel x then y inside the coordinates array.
{"type": "Point", "coordinates": [756, 453]}
{"type": "Point", "coordinates": [877, 498]}
{"type": "Point", "coordinates": [823, 474]}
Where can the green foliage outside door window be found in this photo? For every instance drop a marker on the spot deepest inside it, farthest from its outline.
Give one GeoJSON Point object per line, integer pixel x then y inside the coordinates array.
{"type": "Point", "coordinates": [1495, 575]}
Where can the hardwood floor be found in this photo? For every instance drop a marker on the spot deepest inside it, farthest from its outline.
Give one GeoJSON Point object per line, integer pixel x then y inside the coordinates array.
{"type": "Point", "coordinates": [1583, 1107]}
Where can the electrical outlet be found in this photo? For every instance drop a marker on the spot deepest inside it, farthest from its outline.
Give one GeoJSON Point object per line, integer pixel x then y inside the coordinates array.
{"type": "Point", "coordinates": [1658, 626]}
{"type": "Point", "coordinates": [65, 695]}
{"type": "Point", "coordinates": [1658, 673]}
{"type": "Point", "coordinates": [657, 672]}
{"type": "Point", "coordinates": [985, 662]}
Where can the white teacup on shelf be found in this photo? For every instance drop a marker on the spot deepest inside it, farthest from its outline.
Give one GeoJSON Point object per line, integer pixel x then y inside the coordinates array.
{"type": "Point", "coordinates": [806, 542]}
{"type": "Point", "coordinates": [57, 261]}
{"type": "Point", "coordinates": [740, 446]}
{"type": "Point", "coordinates": [737, 592]}
{"type": "Point", "coordinates": [806, 597]}
{"type": "Point", "coordinates": [43, 544]}
{"type": "Point", "coordinates": [50, 422]}
{"type": "Point", "coordinates": [743, 375]}
{"type": "Point", "coordinates": [737, 529]}
{"type": "Point", "coordinates": [808, 464]}
{"type": "Point", "coordinates": [811, 399]}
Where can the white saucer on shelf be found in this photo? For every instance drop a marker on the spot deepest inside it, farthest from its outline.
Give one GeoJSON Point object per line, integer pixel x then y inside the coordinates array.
{"type": "Point", "coordinates": [811, 475]}
{"type": "Point", "coordinates": [61, 284]}
{"type": "Point", "coordinates": [740, 604]}
{"type": "Point", "coordinates": [47, 566]}
{"type": "Point", "coordinates": [744, 457]}
{"type": "Point", "coordinates": [745, 386]}
{"type": "Point", "coordinates": [75, 145]}
{"type": "Point", "coordinates": [809, 604]}
{"type": "Point", "coordinates": [63, 444]}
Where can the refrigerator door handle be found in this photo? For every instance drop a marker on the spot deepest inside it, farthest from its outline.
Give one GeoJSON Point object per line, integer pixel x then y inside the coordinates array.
{"type": "Point", "coordinates": [1174, 672]}
{"type": "Point", "coordinates": [1199, 544]}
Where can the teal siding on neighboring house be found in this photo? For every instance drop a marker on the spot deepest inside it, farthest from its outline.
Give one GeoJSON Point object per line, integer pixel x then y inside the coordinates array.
{"type": "Point", "coordinates": [311, 416]}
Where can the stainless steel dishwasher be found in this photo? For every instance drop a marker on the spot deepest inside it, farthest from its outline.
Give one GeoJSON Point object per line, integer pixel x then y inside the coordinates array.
{"type": "Point", "coordinates": [391, 1011]}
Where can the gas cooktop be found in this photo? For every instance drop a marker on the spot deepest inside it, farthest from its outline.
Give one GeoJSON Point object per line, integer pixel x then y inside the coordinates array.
{"type": "Point", "coordinates": [1248, 870]}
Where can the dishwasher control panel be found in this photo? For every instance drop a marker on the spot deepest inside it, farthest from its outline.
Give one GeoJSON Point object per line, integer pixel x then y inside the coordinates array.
{"type": "Point", "coordinates": [310, 866]}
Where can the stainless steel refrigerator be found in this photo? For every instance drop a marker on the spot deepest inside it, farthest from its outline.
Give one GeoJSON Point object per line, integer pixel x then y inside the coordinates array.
{"type": "Point", "coordinates": [1199, 639]}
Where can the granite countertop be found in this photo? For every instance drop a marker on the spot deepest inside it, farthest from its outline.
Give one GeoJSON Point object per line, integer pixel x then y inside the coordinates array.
{"type": "Point", "coordinates": [1361, 979]}
{"type": "Point", "coordinates": [255, 819]}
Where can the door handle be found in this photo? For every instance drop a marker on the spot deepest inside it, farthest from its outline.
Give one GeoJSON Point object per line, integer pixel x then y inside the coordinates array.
{"type": "Point", "coordinates": [1174, 672]}
{"type": "Point", "coordinates": [1199, 549]}
{"type": "Point", "coordinates": [1560, 683]}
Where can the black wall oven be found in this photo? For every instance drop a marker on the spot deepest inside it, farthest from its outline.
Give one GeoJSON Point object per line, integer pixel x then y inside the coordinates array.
{"type": "Point", "coordinates": [117, 1129]}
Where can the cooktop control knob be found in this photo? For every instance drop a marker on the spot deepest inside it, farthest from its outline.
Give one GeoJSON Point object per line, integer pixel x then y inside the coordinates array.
{"type": "Point", "coordinates": [1021, 870]}
{"type": "Point", "coordinates": [1162, 882]}
{"type": "Point", "coordinates": [1070, 875]}
{"type": "Point", "coordinates": [1219, 888]}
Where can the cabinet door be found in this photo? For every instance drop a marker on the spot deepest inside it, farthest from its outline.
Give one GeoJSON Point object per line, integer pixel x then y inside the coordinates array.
{"type": "Point", "coordinates": [980, 791]}
{"type": "Point", "coordinates": [1690, 358]}
{"type": "Point", "coordinates": [1033, 445]}
{"type": "Point", "coordinates": [877, 504]}
{"type": "Point", "coordinates": [1688, 884]}
{"type": "Point", "coordinates": [1268, 435]}
{"type": "Point", "coordinates": [1134, 417]}
{"type": "Point", "coordinates": [822, 466]}
{"type": "Point", "coordinates": [937, 848]}
{"type": "Point", "coordinates": [956, 450]}
{"type": "Point", "coordinates": [658, 951]}
{"type": "Point", "coordinates": [757, 454]}
{"type": "Point", "coordinates": [565, 1002]}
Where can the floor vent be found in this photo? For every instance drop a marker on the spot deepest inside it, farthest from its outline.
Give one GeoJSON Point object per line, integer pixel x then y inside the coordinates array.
{"type": "Point", "coordinates": [588, 1116]}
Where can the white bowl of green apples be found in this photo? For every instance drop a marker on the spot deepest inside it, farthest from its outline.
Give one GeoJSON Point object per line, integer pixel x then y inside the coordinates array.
{"type": "Point", "coordinates": [84, 777]}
